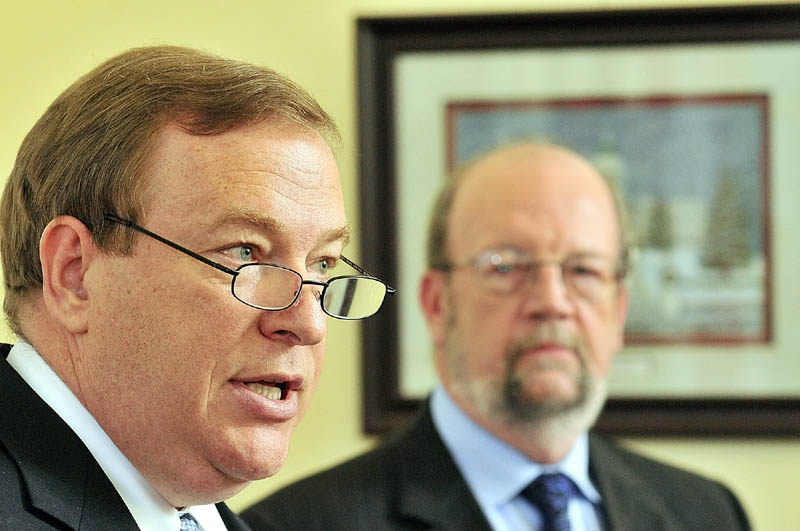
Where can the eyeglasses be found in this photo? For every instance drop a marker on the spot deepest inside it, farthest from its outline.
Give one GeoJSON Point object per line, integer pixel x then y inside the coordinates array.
{"type": "Point", "coordinates": [505, 270]}
{"type": "Point", "coordinates": [273, 287]}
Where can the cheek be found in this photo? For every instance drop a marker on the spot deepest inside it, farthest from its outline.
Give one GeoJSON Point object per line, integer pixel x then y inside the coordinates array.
{"type": "Point", "coordinates": [482, 329]}
{"type": "Point", "coordinates": [310, 385]}
{"type": "Point", "coordinates": [168, 323]}
{"type": "Point", "coordinates": [602, 332]}
{"type": "Point", "coordinates": [318, 360]}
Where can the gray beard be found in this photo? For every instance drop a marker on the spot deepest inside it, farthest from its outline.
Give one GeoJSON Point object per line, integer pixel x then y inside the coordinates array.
{"type": "Point", "coordinates": [512, 406]}
{"type": "Point", "coordinates": [517, 406]}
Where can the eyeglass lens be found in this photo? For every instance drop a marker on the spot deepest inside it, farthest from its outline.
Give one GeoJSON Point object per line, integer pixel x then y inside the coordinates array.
{"type": "Point", "coordinates": [353, 297]}
{"type": "Point", "coordinates": [506, 271]}
{"type": "Point", "coordinates": [272, 287]}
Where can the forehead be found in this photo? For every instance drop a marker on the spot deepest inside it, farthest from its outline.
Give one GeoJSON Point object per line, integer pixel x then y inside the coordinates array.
{"type": "Point", "coordinates": [271, 170]}
{"type": "Point", "coordinates": [540, 198]}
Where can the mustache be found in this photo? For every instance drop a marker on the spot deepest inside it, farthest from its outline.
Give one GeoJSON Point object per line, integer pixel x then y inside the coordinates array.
{"type": "Point", "coordinates": [548, 334]}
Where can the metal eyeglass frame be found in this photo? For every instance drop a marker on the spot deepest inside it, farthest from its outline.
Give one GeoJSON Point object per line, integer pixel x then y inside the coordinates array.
{"type": "Point", "coordinates": [235, 272]}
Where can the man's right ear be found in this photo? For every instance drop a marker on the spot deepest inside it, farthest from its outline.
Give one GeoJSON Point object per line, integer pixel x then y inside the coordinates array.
{"type": "Point", "coordinates": [433, 300]}
{"type": "Point", "coordinates": [66, 249]}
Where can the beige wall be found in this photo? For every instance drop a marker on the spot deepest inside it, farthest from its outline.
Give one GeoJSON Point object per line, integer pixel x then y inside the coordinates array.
{"type": "Point", "coordinates": [46, 45]}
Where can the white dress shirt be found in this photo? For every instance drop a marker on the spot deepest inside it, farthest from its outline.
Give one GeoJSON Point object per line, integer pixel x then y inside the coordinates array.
{"type": "Point", "coordinates": [496, 472]}
{"type": "Point", "coordinates": [149, 509]}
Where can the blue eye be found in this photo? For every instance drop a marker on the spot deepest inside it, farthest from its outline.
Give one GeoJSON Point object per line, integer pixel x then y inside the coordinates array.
{"type": "Point", "coordinates": [502, 262]}
{"type": "Point", "coordinates": [503, 268]}
{"type": "Point", "coordinates": [323, 266]}
{"type": "Point", "coordinates": [243, 253]}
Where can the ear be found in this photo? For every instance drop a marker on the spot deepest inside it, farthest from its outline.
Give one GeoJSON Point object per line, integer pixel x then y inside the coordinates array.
{"type": "Point", "coordinates": [433, 300]}
{"type": "Point", "coordinates": [66, 249]}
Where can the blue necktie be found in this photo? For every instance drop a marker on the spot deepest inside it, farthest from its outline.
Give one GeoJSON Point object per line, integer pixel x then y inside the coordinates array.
{"type": "Point", "coordinates": [551, 493]}
{"type": "Point", "coordinates": [188, 523]}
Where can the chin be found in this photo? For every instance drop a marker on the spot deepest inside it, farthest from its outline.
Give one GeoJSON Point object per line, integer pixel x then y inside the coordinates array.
{"type": "Point", "coordinates": [259, 454]}
{"type": "Point", "coordinates": [227, 480]}
{"type": "Point", "coordinates": [258, 465]}
{"type": "Point", "coordinates": [222, 494]}
{"type": "Point", "coordinates": [205, 489]}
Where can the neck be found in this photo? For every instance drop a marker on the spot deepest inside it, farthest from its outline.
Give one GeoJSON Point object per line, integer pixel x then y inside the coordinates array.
{"type": "Point", "coordinates": [56, 347]}
{"type": "Point", "coordinates": [546, 443]}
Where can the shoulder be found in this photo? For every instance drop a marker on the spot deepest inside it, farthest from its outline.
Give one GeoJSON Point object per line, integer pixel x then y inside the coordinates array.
{"type": "Point", "coordinates": [12, 501]}
{"type": "Point", "coordinates": [329, 499]}
{"type": "Point", "coordinates": [18, 444]}
{"type": "Point", "coordinates": [18, 509]}
{"type": "Point", "coordinates": [677, 495]}
{"type": "Point", "coordinates": [39, 491]}
{"type": "Point", "coordinates": [609, 455]}
{"type": "Point", "coordinates": [361, 493]}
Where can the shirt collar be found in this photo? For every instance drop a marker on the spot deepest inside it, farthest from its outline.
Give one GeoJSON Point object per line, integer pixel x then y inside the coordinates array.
{"type": "Point", "coordinates": [495, 471]}
{"type": "Point", "coordinates": [148, 508]}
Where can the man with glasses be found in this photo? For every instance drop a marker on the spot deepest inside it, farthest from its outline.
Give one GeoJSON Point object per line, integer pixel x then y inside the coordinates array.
{"type": "Point", "coordinates": [171, 239]}
{"type": "Point", "coordinates": [525, 301]}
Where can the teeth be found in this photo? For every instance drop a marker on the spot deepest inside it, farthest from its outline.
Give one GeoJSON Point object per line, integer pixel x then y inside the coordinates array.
{"type": "Point", "coordinates": [272, 392]}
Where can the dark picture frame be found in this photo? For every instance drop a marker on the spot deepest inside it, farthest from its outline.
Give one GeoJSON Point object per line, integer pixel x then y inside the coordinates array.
{"type": "Point", "coordinates": [383, 41]}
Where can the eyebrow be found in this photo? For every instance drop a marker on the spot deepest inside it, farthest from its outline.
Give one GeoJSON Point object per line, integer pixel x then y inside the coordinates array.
{"type": "Point", "coordinates": [270, 224]}
{"type": "Point", "coordinates": [342, 233]}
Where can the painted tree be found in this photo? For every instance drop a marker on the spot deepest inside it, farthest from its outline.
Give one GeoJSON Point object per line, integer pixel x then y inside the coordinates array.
{"type": "Point", "coordinates": [659, 227]}
{"type": "Point", "coordinates": [727, 245]}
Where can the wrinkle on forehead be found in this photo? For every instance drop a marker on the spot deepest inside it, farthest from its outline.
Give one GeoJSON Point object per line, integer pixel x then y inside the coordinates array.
{"type": "Point", "coordinates": [305, 174]}
{"type": "Point", "coordinates": [251, 153]}
{"type": "Point", "coordinates": [303, 157]}
{"type": "Point", "coordinates": [298, 173]}
{"type": "Point", "coordinates": [269, 182]}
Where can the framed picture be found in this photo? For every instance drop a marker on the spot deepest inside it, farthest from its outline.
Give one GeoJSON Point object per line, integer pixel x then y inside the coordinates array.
{"type": "Point", "coordinates": [691, 112]}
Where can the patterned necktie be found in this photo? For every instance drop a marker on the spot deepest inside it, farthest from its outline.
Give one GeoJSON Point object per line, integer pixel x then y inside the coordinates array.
{"type": "Point", "coordinates": [551, 493]}
{"type": "Point", "coordinates": [188, 523]}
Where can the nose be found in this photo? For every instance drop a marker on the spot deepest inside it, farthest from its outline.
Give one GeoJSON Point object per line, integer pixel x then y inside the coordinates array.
{"type": "Point", "coordinates": [302, 323]}
{"type": "Point", "coordinates": [546, 295]}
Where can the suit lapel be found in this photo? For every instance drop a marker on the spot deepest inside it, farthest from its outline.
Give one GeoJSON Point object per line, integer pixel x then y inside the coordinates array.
{"type": "Point", "coordinates": [628, 503]}
{"type": "Point", "coordinates": [430, 487]}
{"type": "Point", "coordinates": [61, 477]}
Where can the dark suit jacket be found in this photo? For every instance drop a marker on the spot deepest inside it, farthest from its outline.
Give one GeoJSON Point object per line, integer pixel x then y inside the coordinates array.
{"type": "Point", "coordinates": [411, 482]}
{"type": "Point", "coordinates": [48, 479]}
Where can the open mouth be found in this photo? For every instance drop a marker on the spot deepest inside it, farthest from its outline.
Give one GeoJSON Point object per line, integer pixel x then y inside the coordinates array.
{"type": "Point", "coordinates": [270, 390]}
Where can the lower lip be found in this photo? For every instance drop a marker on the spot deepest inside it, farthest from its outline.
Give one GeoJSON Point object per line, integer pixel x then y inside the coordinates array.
{"type": "Point", "coordinates": [262, 407]}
